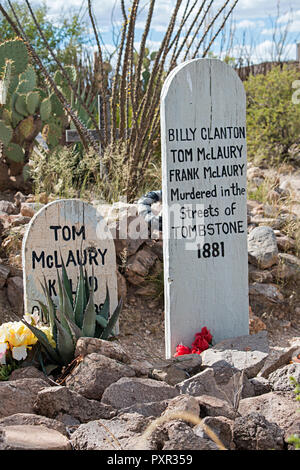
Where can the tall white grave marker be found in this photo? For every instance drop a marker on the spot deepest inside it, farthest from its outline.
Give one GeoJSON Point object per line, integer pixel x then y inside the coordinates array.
{"type": "Point", "coordinates": [74, 230]}
{"type": "Point", "coordinates": [204, 161]}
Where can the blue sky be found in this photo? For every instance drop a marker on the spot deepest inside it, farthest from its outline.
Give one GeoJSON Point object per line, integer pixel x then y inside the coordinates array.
{"type": "Point", "coordinates": [253, 24]}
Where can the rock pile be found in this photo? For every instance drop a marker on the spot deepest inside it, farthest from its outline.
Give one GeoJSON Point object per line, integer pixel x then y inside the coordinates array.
{"type": "Point", "coordinates": [234, 388]}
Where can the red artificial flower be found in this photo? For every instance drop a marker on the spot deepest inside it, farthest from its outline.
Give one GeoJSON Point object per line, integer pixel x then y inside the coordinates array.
{"type": "Point", "coordinates": [199, 345]}
{"type": "Point", "coordinates": [205, 333]}
{"type": "Point", "coordinates": [181, 350]}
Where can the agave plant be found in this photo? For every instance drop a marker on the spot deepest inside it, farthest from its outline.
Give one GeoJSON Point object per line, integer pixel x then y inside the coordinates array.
{"type": "Point", "coordinates": [73, 318]}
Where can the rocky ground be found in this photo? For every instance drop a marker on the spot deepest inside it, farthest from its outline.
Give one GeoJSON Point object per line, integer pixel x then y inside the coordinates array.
{"type": "Point", "coordinates": [241, 388]}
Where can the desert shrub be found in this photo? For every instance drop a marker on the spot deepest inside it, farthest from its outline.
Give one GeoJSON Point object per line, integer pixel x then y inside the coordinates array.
{"type": "Point", "coordinates": [64, 172]}
{"type": "Point", "coordinates": [273, 120]}
{"type": "Point", "coordinates": [74, 172]}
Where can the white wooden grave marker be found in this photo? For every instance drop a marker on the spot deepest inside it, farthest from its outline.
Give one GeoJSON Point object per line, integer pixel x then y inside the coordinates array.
{"type": "Point", "coordinates": [74, 230]}
{"type": "Point", "coordinates": [204, 164]}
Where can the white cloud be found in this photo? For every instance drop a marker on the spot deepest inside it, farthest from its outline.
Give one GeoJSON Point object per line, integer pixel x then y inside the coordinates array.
{"type": "Point", "coordinates": [263, 52]}
{"type": "Point", "coordinates": [246, 24]}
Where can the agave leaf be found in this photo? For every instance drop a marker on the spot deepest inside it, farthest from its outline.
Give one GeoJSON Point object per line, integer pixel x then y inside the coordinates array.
{"type": "Point", "coordinates": [68, 308]}
{"type": "Point", "coordinates": [101, 321]}
{"type": "Point", "coordinates": [45, 312]}
{"type": "Point", "coordinates": [89, 317]}
{"type": "Point", "coordinates": [112, 321]}
{"type": "Point", "coordinates": [66, 282]}
{"type": "Point", "coordinates": [104, 312]}
{"type": "Point", "coordinates": [65, 344]}
{"type": "Point", "coordinates": [75, 330]}
{"type": "Point", "coordinates": [51, 309]}
{"type": "Point", "coordinates": [65, 308]}
{"type": "Point", "coordinates": [80, 300]}
{"type": "Point", "coordinates": [44, 342]}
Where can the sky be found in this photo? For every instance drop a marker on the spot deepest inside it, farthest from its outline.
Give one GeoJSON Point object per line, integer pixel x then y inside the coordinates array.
{"type": "Point", "coordinates": [253, 24]}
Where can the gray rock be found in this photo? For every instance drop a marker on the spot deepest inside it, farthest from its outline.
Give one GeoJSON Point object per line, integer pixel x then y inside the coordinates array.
{"type": "Point", "coordinates": [246, 353]}
{"type": "Point", "coordinates": [262, 247]}
{"type": "Point", "coordinates": [180, 436]}
{"type": "Point", "coordinates": [57, 401]}
{"type": "Point", "coordinates": [128, 391]}
{"type": "Point", "coordinates": [18, 396]}
{"type": "Point", "coordinates": [183, 403]}
{"type": "Point", "coordinates": [281, 359]}
{"type": "Point", "coordinates": [276, 407]}
{"type": "Point", "coordinates": [254, 432]}
{"type": "Point", "coordinates": [32, 437]}
{"type": "Point", "coordinates": [265, 293]}
{"type": "Point", "coordinates": [34, 420]}
{"type": "Point", "coordinates": [29, 372]}
{"type": "Point", "coordinates": [28, 209]}
{"type": "Point", "coordinates": [170, 374]}
{"type": "Point", "coordinates": [4, 273]}
{"type": "Point", "coordinates": [261, 385]}
{"type": "Point", "coordinates": [112, 349]}
{"type": "Point", "coordinates": [221, 426]}
{"type": "Point", "coordinates": [95, 373]}
{"type": "Point", "coordinates": [15, 293]}
{"type": "Point", "coordinates": [259, 275]}
{"type": "Point", "coordinates": [119, 433]}
{"type": "Point", "coordinates": [221, 380]}
{"type": "Point", "coordinates": [288, 267]}
{"type": "Point", "coordinates": [139, 265]}
{"type": "Point", "coordinates": [280, 378]}
{"type": "Point", "coordinates": [189, 363]}
{"type": "Point", "coordinates": [8, 207]}
{"type": "Point", "coordinates": [155, 408]}
{"type": "Point", "coordinates": [212, 406]}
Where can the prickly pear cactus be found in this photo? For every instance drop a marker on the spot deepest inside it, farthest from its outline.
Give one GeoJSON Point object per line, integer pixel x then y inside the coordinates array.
{"type": "Point", "coordinates": [25, 109]}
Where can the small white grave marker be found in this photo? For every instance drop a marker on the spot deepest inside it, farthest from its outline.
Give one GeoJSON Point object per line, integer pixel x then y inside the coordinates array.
{"type": "Point", "coordinates": [204, 161]}
{"type": "Point", "coordinates": [74, 230]}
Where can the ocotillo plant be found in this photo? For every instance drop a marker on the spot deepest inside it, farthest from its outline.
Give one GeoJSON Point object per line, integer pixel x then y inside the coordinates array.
{"type": "Point", "coordinates": [135, 84]}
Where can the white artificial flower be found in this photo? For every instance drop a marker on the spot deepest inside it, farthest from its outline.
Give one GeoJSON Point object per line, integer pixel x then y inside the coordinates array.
{"type": "Point", "coordinates": [3, 348]}
{"type": "Point", "coordinates": [19, 352]}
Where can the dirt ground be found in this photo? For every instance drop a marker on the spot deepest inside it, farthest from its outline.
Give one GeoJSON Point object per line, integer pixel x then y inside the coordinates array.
{"type": "Point", "coordinates": [142, 331]}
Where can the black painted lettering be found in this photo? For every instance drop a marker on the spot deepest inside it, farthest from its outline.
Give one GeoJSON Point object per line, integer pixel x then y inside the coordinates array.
{"type": "Point", "coordinates": [38, 259]}
{"type": "Point", "coordinates": [80, 232]}
{"type": "Point", "coordinates": [55, 228]}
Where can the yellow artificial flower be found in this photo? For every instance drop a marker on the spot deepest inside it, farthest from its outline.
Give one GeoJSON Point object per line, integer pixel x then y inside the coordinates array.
{"type": "Point", "coordinates": [17, 337]}
{"type": "Point", "coordinates": [48, 333]}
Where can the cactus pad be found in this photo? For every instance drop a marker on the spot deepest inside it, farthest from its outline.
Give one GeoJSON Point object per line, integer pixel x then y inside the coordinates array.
{"type": "Point", "coordinates": [27, 127]}
{"type": "Point", "coordinates": [6, 133]}
{"type": "Point", "coordinates": [20, 105]}
{"type": "Point", "coordinates": [16, 51]}
{"type": "Point", "coordinates": [45, 109]}
{"type": "Point", "coordinates": [14, 152]}
{"type": "Point", "coordinates": [32, 101]}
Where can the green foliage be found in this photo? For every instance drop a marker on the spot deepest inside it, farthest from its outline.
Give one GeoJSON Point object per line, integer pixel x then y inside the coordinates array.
{"type": "Point", "coordinates": [73, 317]}
{"type": "Point", "coordinates": [273, 121]}
{"type": "Point", "coordinates": [295, 438]}
{"type": "Point", "coordinates": [67, 34]}
{"type": "Point", "coordinates": [6, 370]}
{"type": "Point", "coordinates": [66, 172]}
